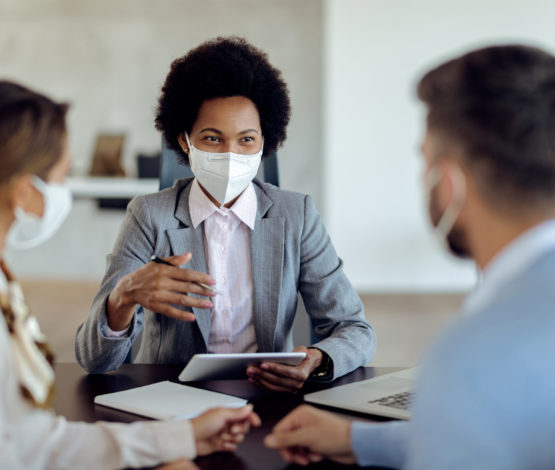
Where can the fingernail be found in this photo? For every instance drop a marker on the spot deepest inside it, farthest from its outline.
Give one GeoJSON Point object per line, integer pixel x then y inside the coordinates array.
{"type": "Point", "coordinates": [270, 440]}
{"type": "Point", "coordinates": [264, 366]}
{"type": "Point", "coordinates": [250, 372]}
{"type": "Point", "coordinates": [208, 304]}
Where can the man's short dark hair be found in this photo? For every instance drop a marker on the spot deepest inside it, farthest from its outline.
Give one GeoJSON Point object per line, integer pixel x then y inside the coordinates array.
{"type": "Point", "coordinates": [220, 68]}
{"type": "Point", "coordinates": [497, 105]}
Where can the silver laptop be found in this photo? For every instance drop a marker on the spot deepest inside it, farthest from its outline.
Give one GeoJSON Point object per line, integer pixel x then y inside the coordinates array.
{"type": "Point", "coordinates": [386, 395]}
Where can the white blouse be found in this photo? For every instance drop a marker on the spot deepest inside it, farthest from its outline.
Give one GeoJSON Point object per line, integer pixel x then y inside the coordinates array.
{"type": "Point", "coordinates": [33, 438]}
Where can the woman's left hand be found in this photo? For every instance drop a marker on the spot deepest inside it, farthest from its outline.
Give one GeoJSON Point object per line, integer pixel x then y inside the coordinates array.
{"type": "Point", "coordinates": [284, 378]}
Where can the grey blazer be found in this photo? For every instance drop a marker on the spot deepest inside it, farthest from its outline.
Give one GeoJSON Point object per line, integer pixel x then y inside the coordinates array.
{"type": "Point", "coordinates": [291, 252]}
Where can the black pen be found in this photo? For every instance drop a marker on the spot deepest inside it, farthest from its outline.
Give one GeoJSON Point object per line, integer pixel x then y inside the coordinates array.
{"type": "Point", "coordinates": [155, 259]}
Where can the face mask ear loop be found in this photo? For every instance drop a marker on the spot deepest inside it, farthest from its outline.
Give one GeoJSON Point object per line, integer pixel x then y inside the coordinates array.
{"type": "Point", "coordinates": [449, 217]}
{"type": "Point", "coordinates": [188, 141]}
{"type": "Point", "coordinates": [191, 154]}
{"type": "Point", "coordinates": [39, 184]}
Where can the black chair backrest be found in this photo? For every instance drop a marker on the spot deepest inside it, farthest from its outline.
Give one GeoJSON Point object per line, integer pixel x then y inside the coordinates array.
{"type": "Point", "coordinates": [171, 169]}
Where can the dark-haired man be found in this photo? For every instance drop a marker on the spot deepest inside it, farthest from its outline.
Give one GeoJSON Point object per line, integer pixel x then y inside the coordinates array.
{"type": "Point", "coordinates": [485, 395]}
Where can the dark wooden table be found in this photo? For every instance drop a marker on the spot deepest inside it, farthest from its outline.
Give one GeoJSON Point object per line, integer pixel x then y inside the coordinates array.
{"type": "Point", "coordinates": [76, 391]}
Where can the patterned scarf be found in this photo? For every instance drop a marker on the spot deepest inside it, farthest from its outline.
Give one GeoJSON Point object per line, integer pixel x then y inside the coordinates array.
{"type": "Point", "coordinates": [33, 359]}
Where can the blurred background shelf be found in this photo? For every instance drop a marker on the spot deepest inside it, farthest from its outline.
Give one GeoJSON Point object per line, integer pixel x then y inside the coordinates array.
{"type": "Point", "coordinates": [98, 187]}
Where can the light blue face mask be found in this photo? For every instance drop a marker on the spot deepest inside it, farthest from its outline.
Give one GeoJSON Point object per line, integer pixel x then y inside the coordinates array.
{"type": "Point", "coordinates": [223, 175]}
{"type": "Point", "coordinates": [30, 230]}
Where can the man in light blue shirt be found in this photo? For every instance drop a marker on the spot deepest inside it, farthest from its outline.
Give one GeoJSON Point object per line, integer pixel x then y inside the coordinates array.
{"type": "Point", "coordinates": [486, 391]}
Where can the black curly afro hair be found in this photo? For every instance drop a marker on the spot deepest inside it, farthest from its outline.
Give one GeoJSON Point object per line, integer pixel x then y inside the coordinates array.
{"type": "Point", "coordinates": [221, 68]}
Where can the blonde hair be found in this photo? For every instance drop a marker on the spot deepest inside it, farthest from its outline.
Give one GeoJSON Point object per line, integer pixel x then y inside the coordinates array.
{"type": "Point", "coordinates": [32, 128]}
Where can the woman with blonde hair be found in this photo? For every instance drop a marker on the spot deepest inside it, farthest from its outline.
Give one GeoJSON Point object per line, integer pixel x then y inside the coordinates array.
{"type": "Point", "coordinates": [34, 201]}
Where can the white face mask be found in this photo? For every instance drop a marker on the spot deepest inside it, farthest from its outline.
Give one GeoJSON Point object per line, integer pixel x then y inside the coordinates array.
{"type": "Point", "coordinates": [223, 175]}
{"type": "Point", "coordinates": [30, 230]}
{"type": "Point", "coordinates": [447, 220]}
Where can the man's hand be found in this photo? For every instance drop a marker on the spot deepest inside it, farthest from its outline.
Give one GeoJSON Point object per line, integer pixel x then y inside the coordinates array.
{"type": "Point", "coordinates": [221, 429]}
{"type": "Point", "coordinates": [283, 378]}
{"type": "Point", "coordinates": [309, 435]}
{"type": "Point", "coordinates": [159, 288]}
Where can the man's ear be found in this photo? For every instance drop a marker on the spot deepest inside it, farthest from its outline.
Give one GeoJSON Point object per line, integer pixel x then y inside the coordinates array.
{"type": "Point", "coordinates": [183, 143]}
{"type": "Point", "coordinates": [456, 177]}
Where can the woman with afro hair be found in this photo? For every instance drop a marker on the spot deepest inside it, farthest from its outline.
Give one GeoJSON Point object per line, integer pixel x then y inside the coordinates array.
{"type": "Point", "coordinates": [235, 251]}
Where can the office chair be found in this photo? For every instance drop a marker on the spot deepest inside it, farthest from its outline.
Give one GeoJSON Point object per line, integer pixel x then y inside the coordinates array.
{"type": "Point", "coordinates": [171, 169]}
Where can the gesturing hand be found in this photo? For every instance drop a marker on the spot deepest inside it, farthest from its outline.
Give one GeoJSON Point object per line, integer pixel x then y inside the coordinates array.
{"type": "Point", "coordinates": [308, 435]}
{"type": "Point", "coordinates": [221, 429]}
{"type": "Point", "coordinates": [159, 288]}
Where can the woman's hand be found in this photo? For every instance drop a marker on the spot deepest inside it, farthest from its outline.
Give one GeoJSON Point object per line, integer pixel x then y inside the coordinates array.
{"type": "Point", "coordinates": [158, 287]}
{"type": "Point", "coordinates": [309, 435]}
{"type": "Point", "coordinates": [222, 429]}
{"type": "Point", "coordinates": [181, 464]}
{"type": "Point", "coordinates": [284, 378]}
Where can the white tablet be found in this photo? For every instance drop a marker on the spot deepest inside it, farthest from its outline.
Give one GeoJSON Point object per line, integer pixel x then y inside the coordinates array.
{"type": "Point", "coordinates": [232, 366]}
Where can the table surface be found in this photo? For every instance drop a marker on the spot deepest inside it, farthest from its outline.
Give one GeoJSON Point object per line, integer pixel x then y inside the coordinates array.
{"type": "Point", "coordinates": [76, 391]}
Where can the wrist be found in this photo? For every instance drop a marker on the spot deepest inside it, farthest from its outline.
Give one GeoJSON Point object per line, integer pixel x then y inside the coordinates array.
{"type": "Point", "coordinates": [197, 430]}
{"type": "Point", "coordinates": [316, 357]}
{"type": "Point", "coordinates": [194, 428]}
{"type": "Point", "coordinates": [118, 313]}
{"type": "Point", "coordinates": [324, 369]}
{"type": "Point", "coordinates": [349, 453]}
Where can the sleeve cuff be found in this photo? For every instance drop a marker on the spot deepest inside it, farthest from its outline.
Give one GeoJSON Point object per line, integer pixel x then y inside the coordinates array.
{"type": "Point", "coordinates": [109, 333]}
{"type": "Point", "coordinates": [176, 439]}
{"type": "Point", "coordinates": [380, 444]}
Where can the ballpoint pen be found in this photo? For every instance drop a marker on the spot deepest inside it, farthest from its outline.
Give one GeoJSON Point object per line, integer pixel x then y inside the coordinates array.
{"type": "Point", "coordinates": [155, 259]}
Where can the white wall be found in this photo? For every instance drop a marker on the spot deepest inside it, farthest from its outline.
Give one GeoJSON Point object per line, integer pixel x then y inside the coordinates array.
{"type": "Point", "coordinates": [110, 58]}
{"type": "Point", "coordinates": [375, 51]}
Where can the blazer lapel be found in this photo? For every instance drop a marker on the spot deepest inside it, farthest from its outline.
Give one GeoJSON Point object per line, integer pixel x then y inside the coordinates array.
{"type": "Point", "coordinates": [190, 239]}
{"type": "Point", "coordinates": [267, 241]}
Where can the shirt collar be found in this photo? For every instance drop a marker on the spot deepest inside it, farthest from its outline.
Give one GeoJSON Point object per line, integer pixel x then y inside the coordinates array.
{"type": "Point", "coordinates": [201, 207]}
{"type": "Point", "coordinates": [510, 262]}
